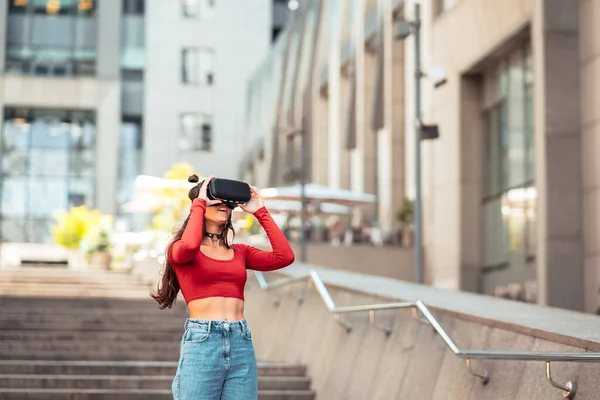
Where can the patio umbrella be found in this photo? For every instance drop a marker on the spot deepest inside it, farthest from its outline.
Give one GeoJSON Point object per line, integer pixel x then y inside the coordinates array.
{"type": "Point", "coordinates": [147, 196]}
{"type": "Point", "coordinates": [295, 206]}
{"type": "Point", "coordinates": [322, 194]}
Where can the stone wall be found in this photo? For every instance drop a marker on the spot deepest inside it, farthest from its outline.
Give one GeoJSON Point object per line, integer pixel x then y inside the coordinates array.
{"type": "Point", "coordinates": [388, 261]}
{"type": "Point", "coordinates": [413, 362]}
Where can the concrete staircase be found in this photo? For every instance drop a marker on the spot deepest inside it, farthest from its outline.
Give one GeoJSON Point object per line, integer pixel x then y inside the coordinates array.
{"type": "Point", "coordinates": [97, 335]}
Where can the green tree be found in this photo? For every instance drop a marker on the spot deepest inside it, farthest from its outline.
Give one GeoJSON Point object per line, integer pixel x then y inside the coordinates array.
{"type": "Point", "coordinates": [72, 226]}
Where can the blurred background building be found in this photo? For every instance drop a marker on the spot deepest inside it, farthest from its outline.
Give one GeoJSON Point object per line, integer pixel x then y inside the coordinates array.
{"type": "Point", "coordinates": [93, 93]}
{"type": "Point", "coordinates": [510, 187]}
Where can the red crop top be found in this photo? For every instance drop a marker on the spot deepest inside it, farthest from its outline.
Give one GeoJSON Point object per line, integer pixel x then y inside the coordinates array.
{"type": "Point", "coordinates": [200, 276]}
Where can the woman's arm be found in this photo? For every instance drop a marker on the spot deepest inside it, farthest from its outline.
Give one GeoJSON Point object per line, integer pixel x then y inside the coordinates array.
{"type": "Point", "coordinates": [185, 249]}
{"type": "Point", "coordinates": [263, 260]}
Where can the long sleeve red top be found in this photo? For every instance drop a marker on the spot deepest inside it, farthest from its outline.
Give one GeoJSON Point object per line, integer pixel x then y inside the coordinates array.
{"type": "Point", "coordinates": [200, 276]}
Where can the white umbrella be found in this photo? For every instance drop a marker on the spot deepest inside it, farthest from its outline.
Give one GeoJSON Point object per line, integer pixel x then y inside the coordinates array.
{"type": "Point", "coordinates": [291, 205]}
{"type": "Point", "coordinates": [146, 196]}
{"type": "Point", "coordinates": [154, 182]}
{"type": "Point", "coordinates": [319, 193]}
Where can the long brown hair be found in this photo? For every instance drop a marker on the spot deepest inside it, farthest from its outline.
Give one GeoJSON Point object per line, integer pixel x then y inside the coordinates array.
{"type": "Point", "coordinates": [168, 288]}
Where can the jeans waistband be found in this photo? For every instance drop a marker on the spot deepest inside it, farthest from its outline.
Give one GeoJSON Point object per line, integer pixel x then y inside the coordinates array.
{"type": "Point", "coordinates": [212, 326]}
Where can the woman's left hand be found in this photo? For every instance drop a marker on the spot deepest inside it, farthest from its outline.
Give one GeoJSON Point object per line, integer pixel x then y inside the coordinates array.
{"type": "Point", "coordinates": [256, 202]}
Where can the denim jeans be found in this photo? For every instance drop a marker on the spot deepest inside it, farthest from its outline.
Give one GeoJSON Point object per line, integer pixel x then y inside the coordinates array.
{"type": "Point", "coordinates": [216, 362]}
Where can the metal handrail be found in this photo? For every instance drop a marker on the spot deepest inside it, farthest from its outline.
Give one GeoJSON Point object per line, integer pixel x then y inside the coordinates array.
{"type": "Point", "coordinates": [569, 389]}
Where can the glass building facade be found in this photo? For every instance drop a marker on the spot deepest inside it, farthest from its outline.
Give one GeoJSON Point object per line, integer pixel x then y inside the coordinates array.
{"type": "Point", "coordinates": [51, 38]}
{"type": "Point", "coordinates": [48, 165]}
{"type": "Point", "coordinates": [509, 178]}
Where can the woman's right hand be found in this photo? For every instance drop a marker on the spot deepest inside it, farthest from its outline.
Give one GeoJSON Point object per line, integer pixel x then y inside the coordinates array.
{"type": "Point", "coordinates": [202, 193]}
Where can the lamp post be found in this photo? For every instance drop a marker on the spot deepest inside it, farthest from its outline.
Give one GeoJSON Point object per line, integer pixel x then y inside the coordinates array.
{"type": "Point", "coordinates": [403, 29]}
{"type": "Point", "coordinates": [300, 173]}
{"type": "Point", "coordinates": [417, 209]}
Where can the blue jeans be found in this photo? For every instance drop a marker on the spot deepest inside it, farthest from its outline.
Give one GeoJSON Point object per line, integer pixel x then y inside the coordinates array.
{"type": "Point", "coordinates": [216, 362]}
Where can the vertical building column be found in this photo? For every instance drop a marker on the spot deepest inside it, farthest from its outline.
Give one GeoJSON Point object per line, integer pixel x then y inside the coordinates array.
{"type": "Point", "coordinates": [108, 111]}
{"type": "Point", "coordinates": [345, 95]}
{"type": "Point", "coordinates": [590, 119]}
{"type": "Point", "coordinates": [320, 141]}
{"type": "Point", "coordinates": [335, 99]}
{"type": "Point", "coordinates": [471, 173]}
{"type": "Point", "coordinates": [3, 24]}
{"type": "Point", "coordinates": [108, 45]}
{"type": "Point", "coordinates": [357, 167]}
{"type": "Point", "coordinates": [555, 32]}
{"type": "Point", "coordinates": [390, 146]}
{"type": "Point", "coordinates": [365, 137]}
{"type": "Point", "coordinates": [397, 129]}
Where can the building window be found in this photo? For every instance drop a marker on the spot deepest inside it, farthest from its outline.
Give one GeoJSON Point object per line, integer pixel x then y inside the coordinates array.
{"type": "Point", "coordinates": [197, 66]}
{"type": "Point", "coordinates": [207, 60]}
{"type": "Point", "coordinates": [509, 178]}
{"type": "Point", "coordinates": [130, 158]}
{"type": "Point", "coordinates": [133, 7]}
{"type": "Point", "coordinates": [189, 66]}
{"type": "Point", "coordinates": [443, 5]}
{"type": "Point", "coordinates": [51, 38]}
{"type": "Point", "coordinates": [203, 9]}
{"type": "Point", "coordinates": [48, 165]}
{"type": "Point", "coordinates": [196, 132]}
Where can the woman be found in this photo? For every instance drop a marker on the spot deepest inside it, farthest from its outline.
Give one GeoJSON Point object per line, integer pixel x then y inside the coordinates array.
{"type": "Point", "coordinates": [217, 358]}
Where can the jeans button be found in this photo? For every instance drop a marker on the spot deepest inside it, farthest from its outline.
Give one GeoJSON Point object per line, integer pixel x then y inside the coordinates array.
{"type": "Point", "coordinates": [226, 325]}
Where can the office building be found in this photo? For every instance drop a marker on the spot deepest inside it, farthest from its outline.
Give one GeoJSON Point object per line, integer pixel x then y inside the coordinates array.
{"type": "Point", "coordinates": [93, 93]}
{"type": "Point", "coordinates": [510, 187]}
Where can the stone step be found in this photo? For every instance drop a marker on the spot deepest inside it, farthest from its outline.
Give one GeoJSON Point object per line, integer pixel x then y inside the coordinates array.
{"type": "Point", "coordinates": [74, 335]}
{"type": "Point", "coordinates": [79, 381]}
{"type": "Point", "coordinates": [176, 326]}
{"type": "Point", "coordinates": [87, 346]}
{"type": "Point", "coordinates": [150, 309]}
{"type": "Point", "coordinates": [171, 335]}
{"type": "Point", "coordinates": [51, 272]}
{"type": "Point", "coordinates": [103, 355]}
{"type": "Point", "coordinates": [133, 394]}
{"type": "Point", "coordinates": [121, 282]}
{"type": "Point", "coordinates": [70, 279]}
{"type": "Point", "coordinates": [99, 322]}
{"type": "Point", "coordinates": [96, 367]}
{"type": "Point", "coordinates": [98, 303]}
{"type": "Point", "coordinates": [70, 285]}
{"type": "Point", "coordinates": [73, 291]}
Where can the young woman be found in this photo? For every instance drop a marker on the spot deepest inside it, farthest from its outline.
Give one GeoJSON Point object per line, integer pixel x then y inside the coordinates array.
{"type": "Point", "coordinates": [217, 358]}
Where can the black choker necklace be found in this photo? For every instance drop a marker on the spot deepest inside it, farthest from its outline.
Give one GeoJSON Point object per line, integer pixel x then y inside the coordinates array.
{"type": "Point", "coordinates": [213, 235]}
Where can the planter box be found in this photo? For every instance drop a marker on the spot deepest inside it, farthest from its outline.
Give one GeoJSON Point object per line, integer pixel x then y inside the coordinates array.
{"type": "Point", "coordinates": [100, 260]}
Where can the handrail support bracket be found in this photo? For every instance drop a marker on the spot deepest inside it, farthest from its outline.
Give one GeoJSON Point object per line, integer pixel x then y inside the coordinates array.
{"type": "Point", "coordinates": [485, 376]}
{"type": "Point", "coordinates": [569, 389]}
{"type": "Point", "coordinates": [387, 329]}
{"type": "Point", "coordinates": [415, 314]}
{"type": "Point", "coordinates": [346, 325]}
{"type": "Point", "coordinates": [302, 295]}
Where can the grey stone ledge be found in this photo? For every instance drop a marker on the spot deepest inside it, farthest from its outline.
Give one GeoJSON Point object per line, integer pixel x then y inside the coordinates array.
{"type": "Point", "coordinates": [554, 324]}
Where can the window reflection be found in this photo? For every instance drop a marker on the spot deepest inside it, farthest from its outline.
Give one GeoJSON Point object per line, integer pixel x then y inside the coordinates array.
{"type": "Point", "coordinates": [508, 158]}
{"type": "Point", "coordinates": [48, 165]}
{"type": "Point", "coordinates": [51, 37]}
{"type": "Point", "coordinates": [44, 162]}
{"type": "Point", "coordinates": [14, 192]}
{"type": "Point", "coordinates": [204, 9]}
{"type": "Point", "coordinates": [130, 144]}
{"type": "Point", "coordinates": [196, 132]}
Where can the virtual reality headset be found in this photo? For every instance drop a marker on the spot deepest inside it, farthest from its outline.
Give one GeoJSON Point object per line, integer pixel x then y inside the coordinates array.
{"type": "Point", "coordinates": [229, 191]}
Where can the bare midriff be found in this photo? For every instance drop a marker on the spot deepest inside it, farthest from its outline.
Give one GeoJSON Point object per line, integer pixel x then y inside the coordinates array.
{"type": "Point", "coordinates": [217, 309]}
